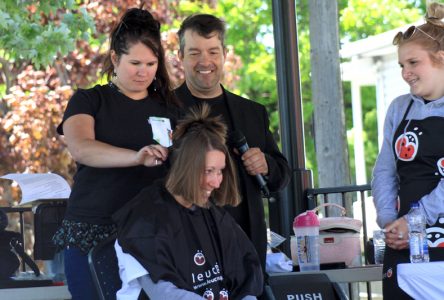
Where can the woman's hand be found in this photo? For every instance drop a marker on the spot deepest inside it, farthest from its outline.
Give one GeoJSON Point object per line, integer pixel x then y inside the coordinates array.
{"type": "Point", "coordinates": [397, 234]}
{"type": "Point", "coordinates": [152, 155]}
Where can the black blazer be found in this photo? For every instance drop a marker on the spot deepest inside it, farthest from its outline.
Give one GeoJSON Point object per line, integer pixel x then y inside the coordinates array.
{"type": "Point", "coordinates": [251, 119]}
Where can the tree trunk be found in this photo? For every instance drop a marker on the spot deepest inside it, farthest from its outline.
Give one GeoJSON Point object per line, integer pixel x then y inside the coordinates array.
{"type": "Point", "coordinates": [329, 121]}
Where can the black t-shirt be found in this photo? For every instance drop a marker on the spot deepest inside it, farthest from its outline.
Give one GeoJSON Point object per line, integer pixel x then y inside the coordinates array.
{"type": "Point", "coordinates": [119, 121]}
{"type": "Point", "coordinates": [218, 108]}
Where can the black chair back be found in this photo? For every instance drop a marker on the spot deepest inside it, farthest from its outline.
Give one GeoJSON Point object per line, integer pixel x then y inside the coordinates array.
{"type": "Point", "coordinates": [105, 269]}
{"type": "Point", "coordinates": [48, 216]}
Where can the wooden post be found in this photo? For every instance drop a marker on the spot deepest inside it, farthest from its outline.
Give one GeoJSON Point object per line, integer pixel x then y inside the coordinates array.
{"type": "Point", "coordinates": [329, 120]}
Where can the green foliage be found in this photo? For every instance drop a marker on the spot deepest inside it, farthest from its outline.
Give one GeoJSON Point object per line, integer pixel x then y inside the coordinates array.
{"type": "Point", "coordinates": [362, 18]}
{"type": "Point", "coordinates": [249, 27]}
{"type": "Point", "coordinates": [40, 31]}
{"type": "Point", "coordinates": [36, 31]}
{"type": "Point", "coordinates": [2, 90]}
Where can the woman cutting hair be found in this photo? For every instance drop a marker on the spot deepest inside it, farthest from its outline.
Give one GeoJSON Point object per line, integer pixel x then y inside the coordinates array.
{"type": "Point", "coordinates": [111, 133]}
{"type": "Point", "coordinates": [177, 241]}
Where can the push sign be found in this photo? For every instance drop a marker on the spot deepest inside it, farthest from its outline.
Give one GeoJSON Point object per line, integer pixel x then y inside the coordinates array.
{"type": "Point", "coordinates": [300, 286]}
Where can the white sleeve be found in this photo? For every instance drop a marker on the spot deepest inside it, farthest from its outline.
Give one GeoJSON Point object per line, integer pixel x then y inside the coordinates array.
{"type": "Point", "coordinates": [130, 270]}
{"type": "Point", "coordinates": [165, 290]}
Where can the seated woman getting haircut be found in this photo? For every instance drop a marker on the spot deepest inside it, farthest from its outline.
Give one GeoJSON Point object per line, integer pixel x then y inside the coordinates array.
{"type": "Point", "coordinates": [174, 239]}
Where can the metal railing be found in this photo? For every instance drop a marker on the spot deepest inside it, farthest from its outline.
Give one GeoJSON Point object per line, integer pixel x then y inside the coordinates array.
{"type": "Point", "coordinates": [347, 195]}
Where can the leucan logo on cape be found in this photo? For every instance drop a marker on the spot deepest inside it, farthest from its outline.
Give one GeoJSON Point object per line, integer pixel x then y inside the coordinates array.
{"type": "Point", "coordinates": [205, 275]}
{"type": "Point", "coordinates": [209, 276]}
{"type": "Point", "coordinates": [223, 295]}
{"type": "Point", "coordinates": [199, 258]}
{"type": "Point", "coordinates": [208, 295]}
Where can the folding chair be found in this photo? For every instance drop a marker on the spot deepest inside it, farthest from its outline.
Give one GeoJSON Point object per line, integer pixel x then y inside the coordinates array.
{"type": "Point", "coordinates": [48, 216]}
{"type": "Point", "coordinates": [104, 268]}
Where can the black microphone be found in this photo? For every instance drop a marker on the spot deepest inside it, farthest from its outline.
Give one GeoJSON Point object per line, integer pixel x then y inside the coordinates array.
{"type": "Point", "coordinates": [240, 143]}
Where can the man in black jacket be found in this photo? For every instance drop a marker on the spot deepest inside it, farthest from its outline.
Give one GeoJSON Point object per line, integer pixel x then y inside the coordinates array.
{"type": "Point", "coordinates": [202, 53]}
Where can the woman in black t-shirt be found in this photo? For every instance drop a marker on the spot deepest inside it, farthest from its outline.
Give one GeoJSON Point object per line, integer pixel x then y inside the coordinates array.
{"type": "Point", "coordinates": [184, 244]}
{"type": "Point", "coordinates": [118, 135]}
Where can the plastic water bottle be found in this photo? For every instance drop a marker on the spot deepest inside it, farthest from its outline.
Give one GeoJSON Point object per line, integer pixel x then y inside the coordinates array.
{"type": "Point", "coordinates": [379, 245]}
{"type": "Point", "coordinates": [306, 230]}
{"type": "Point", "coordinates": [419, 250]}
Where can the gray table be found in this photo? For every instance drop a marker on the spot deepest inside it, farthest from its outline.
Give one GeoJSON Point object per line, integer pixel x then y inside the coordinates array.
{"type": "Point", "coordinates": [348, 275]}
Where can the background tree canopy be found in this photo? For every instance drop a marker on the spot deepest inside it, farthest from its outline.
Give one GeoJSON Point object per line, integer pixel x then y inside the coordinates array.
{"type": "Point", "coordinates": [50, 48]}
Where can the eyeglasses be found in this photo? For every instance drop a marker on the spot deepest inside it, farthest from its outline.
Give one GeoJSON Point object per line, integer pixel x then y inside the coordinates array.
{"type": "Point", "coordinates": [409, 33]}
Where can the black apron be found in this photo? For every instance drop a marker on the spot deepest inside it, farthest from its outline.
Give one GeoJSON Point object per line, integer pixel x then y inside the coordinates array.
{"type": "Point", "coordinates": [419, 152]}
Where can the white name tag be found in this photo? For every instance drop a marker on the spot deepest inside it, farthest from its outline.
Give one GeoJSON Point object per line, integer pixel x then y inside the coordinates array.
{"type": "Point", "coordinates": [162, 132]}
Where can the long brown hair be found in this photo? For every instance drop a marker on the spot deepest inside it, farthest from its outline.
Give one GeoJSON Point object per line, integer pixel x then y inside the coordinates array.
{"type": "Point", "coordinates": [138, 25]}
{"type": "Point", "coordinates": [193, 137]}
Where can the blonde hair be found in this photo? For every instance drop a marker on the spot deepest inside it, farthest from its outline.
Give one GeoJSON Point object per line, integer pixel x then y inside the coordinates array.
{"type": "Point", "coordinates": [429, 35]}
{"type": "Point", "coordinates": [193, 137]}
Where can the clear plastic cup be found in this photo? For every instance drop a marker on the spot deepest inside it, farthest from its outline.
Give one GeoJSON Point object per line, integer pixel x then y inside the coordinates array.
{"type": "Point", "coordinates": [306, 230]}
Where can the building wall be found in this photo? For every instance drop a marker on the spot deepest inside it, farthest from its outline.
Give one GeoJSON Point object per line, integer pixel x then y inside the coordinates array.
{"type": "Point", "coordinates": [389, 85]}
